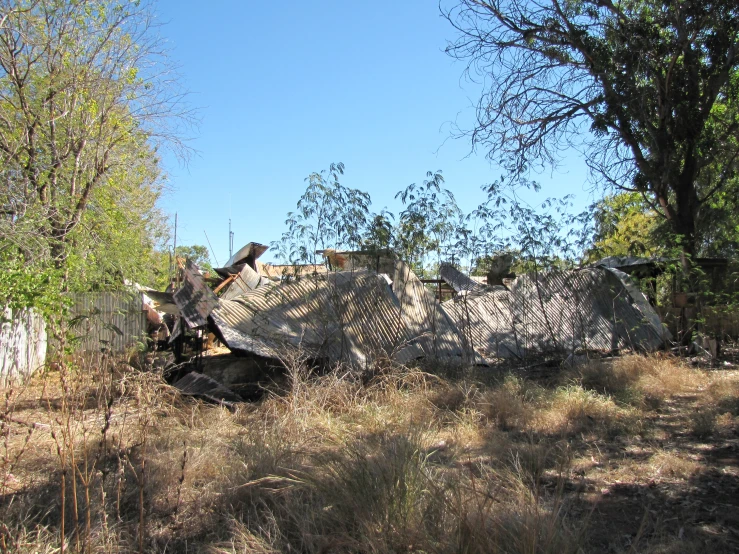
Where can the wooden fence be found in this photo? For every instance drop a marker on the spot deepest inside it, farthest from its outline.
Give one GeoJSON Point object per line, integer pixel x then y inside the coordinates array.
{"type": "Point", "coordinates": [23, 344]}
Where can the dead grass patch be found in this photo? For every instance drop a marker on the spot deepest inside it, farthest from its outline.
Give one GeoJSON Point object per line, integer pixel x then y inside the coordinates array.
{"type": "Point", "coordinates": [642, 381]}
{"type": "Point", "coordinates": [402, 461]}
{"type": "Point", "coordinates": [671, 464]}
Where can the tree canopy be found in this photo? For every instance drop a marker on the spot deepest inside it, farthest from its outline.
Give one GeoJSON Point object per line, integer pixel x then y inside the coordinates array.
{"type": "Point", "coordinates": [87, 99]}
{"type": "Point", "coordinates": [648, 89]}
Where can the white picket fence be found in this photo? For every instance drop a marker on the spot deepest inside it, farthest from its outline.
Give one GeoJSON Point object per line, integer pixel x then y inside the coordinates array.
{"type": "Point", "coordinates": [23, 344]}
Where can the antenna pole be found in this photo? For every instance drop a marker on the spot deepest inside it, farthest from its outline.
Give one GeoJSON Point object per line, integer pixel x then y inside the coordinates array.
{"type": "Point", "coordinates": [230, 232]}
{"type": "Point", "coordinates": [174, 249]}
{"type": "Point", "coordinates": [230, 240]}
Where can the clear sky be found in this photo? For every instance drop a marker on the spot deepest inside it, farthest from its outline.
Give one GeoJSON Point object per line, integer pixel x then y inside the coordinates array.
{"type": "Point", "coordinates": [285, 88]}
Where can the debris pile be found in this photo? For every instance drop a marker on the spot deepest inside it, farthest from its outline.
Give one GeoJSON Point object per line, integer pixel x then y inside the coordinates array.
{"type": "Point", "coordinates": [360, 307]}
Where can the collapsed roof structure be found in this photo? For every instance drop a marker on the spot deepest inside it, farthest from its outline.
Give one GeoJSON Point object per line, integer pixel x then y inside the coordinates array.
{"type": "Point", "coordinates": [373, 306]}
{"type": "Point", "coordinates": [354, 315]}
{"type": "Point", "coordinates": [561, 311]}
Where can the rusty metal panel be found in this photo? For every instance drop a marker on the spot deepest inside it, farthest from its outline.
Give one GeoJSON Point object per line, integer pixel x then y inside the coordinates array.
{"type": "Point", "coordinates": [114, 321]}
{"type": "Point", "coordinates": [195, 300]}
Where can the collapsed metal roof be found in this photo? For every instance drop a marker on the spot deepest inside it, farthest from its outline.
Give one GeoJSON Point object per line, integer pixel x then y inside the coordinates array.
{"type": "Point", "coordinates": [593, 308]}
{"type": "Point", "coordinates": [359, 315]}
{"type": "Point", "coordinates": [342, 316]}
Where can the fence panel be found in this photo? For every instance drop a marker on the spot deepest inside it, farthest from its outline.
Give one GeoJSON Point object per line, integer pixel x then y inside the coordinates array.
{"type": "Point", "coordinates": [107, 320]}
{"type": "Point", "coordinates": [22, 345]}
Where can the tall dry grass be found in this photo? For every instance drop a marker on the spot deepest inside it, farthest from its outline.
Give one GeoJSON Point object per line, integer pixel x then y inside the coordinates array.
{"type": "Point", "coordinates": [395, 460]}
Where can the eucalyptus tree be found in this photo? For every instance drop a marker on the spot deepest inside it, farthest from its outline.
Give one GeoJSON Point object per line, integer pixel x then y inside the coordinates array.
{"type": "Point", "coordinates": [430, 222]}
{"type": "Point", "coordinates": [648, 89]}
{"type": "Point", "coordinates": [329, 215]}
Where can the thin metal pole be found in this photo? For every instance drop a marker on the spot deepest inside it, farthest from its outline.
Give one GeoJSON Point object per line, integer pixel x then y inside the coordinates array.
{"type": "Point", "coordinates": [176, 266]}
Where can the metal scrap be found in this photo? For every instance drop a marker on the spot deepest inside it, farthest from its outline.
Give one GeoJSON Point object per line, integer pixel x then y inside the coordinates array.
{"type": "Point", "coordinates": [556, 311]}
{"type": "Point", "coordinates": [194, 299]}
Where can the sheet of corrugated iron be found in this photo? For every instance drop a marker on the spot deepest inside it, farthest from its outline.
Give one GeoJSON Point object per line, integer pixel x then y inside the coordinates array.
{"type": "Point", "coordinates": [427, 323]}
{"type": "Point", "coordinates": [486, 323]}
{"type": "Point", "coordinates": [195, 300]}
{"type": "Point", "coordinates": [247, 280]}
{"type": "Point", "coordinates": [346, 316]}
{"type": "Point", "coordinates": [458, 280]}
{"type": "Point", "coordinates": [589, 308]}
{"type": "Point", "coordinates": [199, 385]}
{"type": "Point", "coordinates": [107, 320]}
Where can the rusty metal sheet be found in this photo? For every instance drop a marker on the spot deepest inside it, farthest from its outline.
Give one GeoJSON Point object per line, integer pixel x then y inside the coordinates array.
{"type": "Point", "coordinates": [195, 300]}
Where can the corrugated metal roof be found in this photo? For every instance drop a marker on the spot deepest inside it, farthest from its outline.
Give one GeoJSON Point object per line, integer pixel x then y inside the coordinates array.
{"type": "Point", "coordinates": [485, 322]}
{"type": "Point", "coordinates": [195, 300]}
{"type": "Point", "coordinates": [588, 308]}
{"type": "Point", "coordinates": [599, 309]}
{"type": "Point", "coordinates": [426, 321]}
{"type": "Point", "coordinates": [343, 316]}
{"type": "Point", "coordinates": [458, 280]}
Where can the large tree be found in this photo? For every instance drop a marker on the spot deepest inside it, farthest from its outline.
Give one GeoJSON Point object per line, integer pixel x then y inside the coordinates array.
{"type": "Point", "coordinates": [647, 88]}
{"type": "Point", "coordinates": [86, 99]}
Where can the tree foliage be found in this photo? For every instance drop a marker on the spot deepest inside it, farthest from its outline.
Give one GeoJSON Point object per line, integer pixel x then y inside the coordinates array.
{"type": "Point", "coordinates": [86, 100]}
{"type": "Point", "coordinates": [648, 87]}
{"type": "Point", "coordinates": [429, 223]}
{"type": "Point", "coordinates": [625, 226]}
{"type": "Point", "coordinates": [328, 215]}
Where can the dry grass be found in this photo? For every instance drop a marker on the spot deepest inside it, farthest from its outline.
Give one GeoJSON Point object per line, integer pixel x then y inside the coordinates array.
{"type": "Point", "coordinates": [672, 464]}
{"type": "Point", "coordinates": [645, 382]}
{"type": "Point", "coordinates": [405, 461]}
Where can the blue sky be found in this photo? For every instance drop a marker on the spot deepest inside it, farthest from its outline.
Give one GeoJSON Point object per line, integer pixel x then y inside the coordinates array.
{"type": "Point", "coordinates": [286, 88]}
